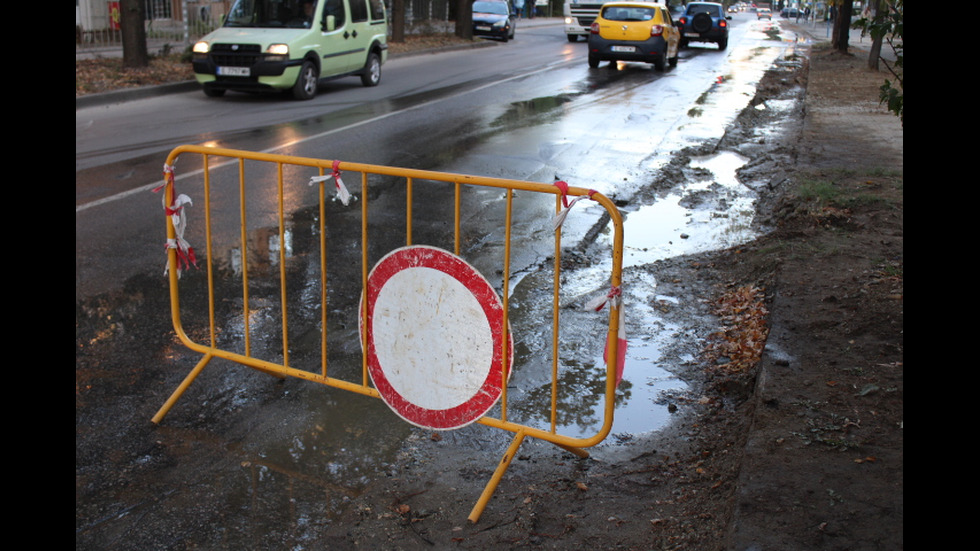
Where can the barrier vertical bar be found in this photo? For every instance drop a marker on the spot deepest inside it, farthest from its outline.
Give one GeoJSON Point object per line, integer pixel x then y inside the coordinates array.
{"type": "Point", "coordinates": [506, 288]}
{"type": "Point", "coordinates": [282, 268]}
{"type": "Point", "coordinates": [243, 220]}
{"type": "Point", "coordinates": [364, 275]}
{"type": "Point", "coordinates": [321, 192]}
{"type": "Point", "coordinates": [408, 211]}
{"type": "Point", "coordinates": [554, 323]}
{"type": "Point", "coordinates": [456, 218]}
{"type": "Point", "coordinates": [210, 254]}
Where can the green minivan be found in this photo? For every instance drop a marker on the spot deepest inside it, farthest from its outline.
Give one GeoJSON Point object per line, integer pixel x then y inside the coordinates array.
{"type": "Point", "coordinates": [291, 45]}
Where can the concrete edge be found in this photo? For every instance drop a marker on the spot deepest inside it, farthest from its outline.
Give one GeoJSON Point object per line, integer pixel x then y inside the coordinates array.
{"type": "Point", "coordinates": [120, 96]}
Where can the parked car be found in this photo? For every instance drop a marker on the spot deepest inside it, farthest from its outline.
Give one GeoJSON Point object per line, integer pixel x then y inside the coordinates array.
{"type": "Point", "coordinates": [292, 45]}
{"type": "Point", "coordinates": [790, 13]}
{"type": "Point", "coordinates": [634, 31]}
{"type": "Point", "coordinates": [704, 22]}
{"type": "Point", "coordinates": [764, 13]}
{"type": "Point", "coordinates": [494, 19]}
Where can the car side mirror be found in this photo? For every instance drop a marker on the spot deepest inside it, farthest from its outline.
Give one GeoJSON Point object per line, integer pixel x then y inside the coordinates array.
{"type": "Point", "coordinates": [329, 23]}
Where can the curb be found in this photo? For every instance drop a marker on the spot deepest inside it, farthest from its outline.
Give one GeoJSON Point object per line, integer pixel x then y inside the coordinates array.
{"type": "Point", "coordinates": [119, 96]}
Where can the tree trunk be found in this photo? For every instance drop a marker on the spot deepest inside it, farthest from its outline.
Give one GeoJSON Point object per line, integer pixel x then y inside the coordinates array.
{"type": "Point", "coordinates": [133, 34]}
{"type": "Point", "coordinates": [842, 26]}
{"type": "Point", "coordinates": [464, 18]}
{"type": "Point", "coordinates": [398, 21]}
{"type": "Point", "coordinates": [877, 40]}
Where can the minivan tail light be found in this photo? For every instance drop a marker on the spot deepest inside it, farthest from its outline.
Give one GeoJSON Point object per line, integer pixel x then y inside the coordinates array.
{"type": "Point", "coordinates": [594, 28]}
{"type": "Point", "coordinates": [656, 30]}
{"type": "Point", "coordinates": [723, 23]}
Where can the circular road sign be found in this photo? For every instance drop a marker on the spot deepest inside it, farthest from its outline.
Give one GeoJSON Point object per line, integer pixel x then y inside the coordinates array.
{"type": "Point", "coordinates": [434, 337]}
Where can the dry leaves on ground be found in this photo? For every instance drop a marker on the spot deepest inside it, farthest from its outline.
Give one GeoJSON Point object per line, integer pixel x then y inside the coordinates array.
{"type": "Point", "coordinates": [738, 346]}
{"type": "Point", "coordinates": [93, 76]}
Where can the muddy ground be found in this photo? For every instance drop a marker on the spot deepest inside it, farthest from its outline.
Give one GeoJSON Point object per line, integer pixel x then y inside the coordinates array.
{"type": "Point", "coordinates": [800, 450]}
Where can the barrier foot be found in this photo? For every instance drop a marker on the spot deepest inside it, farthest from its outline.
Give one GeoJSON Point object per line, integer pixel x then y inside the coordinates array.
{"type": "Point", "coordinates": [481, 504]}
{"type": "Point", "coordinates": [183, 386]}
{"type": "Point", "coordinates": [576, 451]}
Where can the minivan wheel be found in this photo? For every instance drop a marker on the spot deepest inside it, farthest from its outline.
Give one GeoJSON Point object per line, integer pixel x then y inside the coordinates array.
{"type": "Point", "coordinates": [306, 84]}
{"type": "Point", "coordinates": [372, 70]}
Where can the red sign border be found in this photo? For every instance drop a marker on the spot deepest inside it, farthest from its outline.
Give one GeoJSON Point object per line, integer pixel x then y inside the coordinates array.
{"type": "Point", "coordinates": [422, 256]}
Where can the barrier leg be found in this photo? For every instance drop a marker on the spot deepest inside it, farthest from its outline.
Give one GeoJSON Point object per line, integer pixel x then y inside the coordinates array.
{"type": "Point", "coordinates": [481, 504]}
{"type": "Point", "coordinates": [183, 386]}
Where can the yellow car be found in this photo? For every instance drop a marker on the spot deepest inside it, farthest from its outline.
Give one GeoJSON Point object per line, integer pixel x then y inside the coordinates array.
{"type": "Point", "coordinates": [634, 31]}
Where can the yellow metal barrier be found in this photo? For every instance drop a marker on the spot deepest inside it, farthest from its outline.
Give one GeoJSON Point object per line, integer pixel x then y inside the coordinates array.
{"type": "Point", "coordinates": [181, 254]}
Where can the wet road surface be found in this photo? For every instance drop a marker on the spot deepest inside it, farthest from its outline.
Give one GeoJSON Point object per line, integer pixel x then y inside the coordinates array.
{"type": "Point", "coordinates": [268, 455]}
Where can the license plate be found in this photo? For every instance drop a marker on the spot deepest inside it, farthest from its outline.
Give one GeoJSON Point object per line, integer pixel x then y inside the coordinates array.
{"type": "Point", "coordinates": [483, 28]}
{"type": "Point", "coordinates": [233, 71]}
{"type": "Point", "coordinates": [623, 49]}
{"type": "Point", "coordinates": [692, 34]}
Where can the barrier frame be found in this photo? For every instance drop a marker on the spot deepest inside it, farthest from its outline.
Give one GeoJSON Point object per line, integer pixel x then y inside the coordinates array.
{"type": "Point", "coordinates": [176, 261]}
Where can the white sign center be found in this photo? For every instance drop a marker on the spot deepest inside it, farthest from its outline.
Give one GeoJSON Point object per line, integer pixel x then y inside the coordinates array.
{"type": "Point", "coordinates": [426, 321]}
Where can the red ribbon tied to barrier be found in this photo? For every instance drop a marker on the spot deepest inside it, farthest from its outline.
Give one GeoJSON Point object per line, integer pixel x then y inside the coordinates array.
{"type": "Point", "coordinates": [342, 192]}
{"type": "Point", "coordinates": [614, 297]}
{"type": "Point", "coordinates": [173, 206]}
{"type": "Point", "coordinates": [559, 218]}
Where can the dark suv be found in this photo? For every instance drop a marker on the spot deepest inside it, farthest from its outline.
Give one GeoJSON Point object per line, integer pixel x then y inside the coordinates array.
{"type": "Point", "coordinates": [704, 22]}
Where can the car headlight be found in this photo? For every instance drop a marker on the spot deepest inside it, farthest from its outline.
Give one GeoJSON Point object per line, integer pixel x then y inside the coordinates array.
{"type": "Point", "coordinates": [501, 23]}
{"type": "Point", "coordinates": [278, 49]}
{"type": "Point", "coordinates": [201, 48]}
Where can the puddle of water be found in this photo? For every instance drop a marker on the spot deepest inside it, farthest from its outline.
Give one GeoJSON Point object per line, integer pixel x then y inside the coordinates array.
{"type": "Point", "coordinates": [650, 383]}
{"type": "Point", "coordinates": [709, 214]}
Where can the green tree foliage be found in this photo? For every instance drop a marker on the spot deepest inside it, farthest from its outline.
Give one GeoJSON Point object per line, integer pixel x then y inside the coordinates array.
{"type": "Point", "coordinates": [888, 25]}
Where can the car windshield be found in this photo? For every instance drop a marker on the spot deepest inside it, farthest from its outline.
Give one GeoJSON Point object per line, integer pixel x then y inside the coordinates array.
{"type": "Point", "coordinates": [271, 13]}
{"type": "Point", "coordinates": [496, 8]}
{"type": "Point", "coordinates": [713, 10]}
